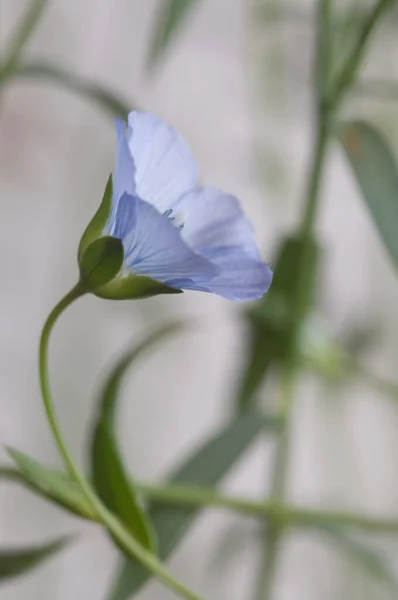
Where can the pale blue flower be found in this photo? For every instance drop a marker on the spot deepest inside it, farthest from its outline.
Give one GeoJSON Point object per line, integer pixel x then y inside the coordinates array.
{"type": "Point", "coordinates": [188, 237]}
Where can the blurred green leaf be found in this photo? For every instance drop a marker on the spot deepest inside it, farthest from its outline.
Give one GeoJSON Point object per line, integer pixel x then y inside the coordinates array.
{"type": "Point", "coordinates": [271, 321]}
{"type": "Point", "coordinates": [373, 563]}
{"type": "Point", "coordinates": [110, 477]}
{"type": "Point", "coordinates": [23, 31]}
{"type": "Point", "coordinates": [17, 562]}
{"type": "Point", "coordinates": [51, 484]}
{"type": "Point", "coordinates": [376, 172]}
{"type": "Point", "coordinates": [105, 99]}
{"type": "Point", "coordinates": [205, 467]}
{"type": "Point", "coordinates": [170, 18]}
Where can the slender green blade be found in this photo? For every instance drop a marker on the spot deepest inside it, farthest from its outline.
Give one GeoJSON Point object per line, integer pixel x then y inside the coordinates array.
{"type": "Point", "coordinates": [172, 15]}
{"type": "Point", "coordinates": [110, 477]}
{"type": "Point", "coordinates": [206, 466]}
{"type": "Point", "coordinates": [368, 559]}
{"type": "Point", "coordinates": [51, 484]}
{"type": "Point", "coordinates": [17, 562]}
{"type": "Point", "coordinates": [375, 169]}
{"type": "Point", "coordinates": [104, 98]}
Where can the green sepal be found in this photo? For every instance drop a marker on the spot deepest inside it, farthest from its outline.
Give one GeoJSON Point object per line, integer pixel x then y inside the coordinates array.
{"type": "Point", "coordinates": [134, 286]}
{"type": "Point", "coordinates": [51, 484]}
{"type": "Point", "coordinates": [101, 262]}
{"type": "Point", "coordinates": [96, 226]}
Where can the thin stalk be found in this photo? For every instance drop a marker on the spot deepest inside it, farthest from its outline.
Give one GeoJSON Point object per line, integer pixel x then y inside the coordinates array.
{"type": "Point", "coordinates": [346, 77]}
{"type": "Point", "coordinates": [182, 495]}
{"type": "Point", "coordinates": [275, 529]}
{"type": "Point", "coordinates": [286, 515]}
{"type": "Point", "coordinates": [132, 547]}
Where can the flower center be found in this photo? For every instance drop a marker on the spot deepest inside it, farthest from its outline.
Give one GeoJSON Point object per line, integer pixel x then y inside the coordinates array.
{"type": "Point", "coordinates": [178, 220]}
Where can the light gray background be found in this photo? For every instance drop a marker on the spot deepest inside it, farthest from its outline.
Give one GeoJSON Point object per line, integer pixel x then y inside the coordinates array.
{"type": "Point", "coordinates": [55, 155]}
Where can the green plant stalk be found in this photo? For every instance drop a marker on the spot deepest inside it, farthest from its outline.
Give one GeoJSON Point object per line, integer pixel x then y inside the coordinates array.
{"type": "Point", "coordinates": [288, 516]}
{"type": "Point", "coordinates": [346, 77]}
{"type": "Point", "coordinates": [132, 547]}
{"type": "Point", "coordinates": [274, 531]}
{"type": "Point", "coordinates": [23, 32]}
{"type": "Point", "coordinates": [205, 497]}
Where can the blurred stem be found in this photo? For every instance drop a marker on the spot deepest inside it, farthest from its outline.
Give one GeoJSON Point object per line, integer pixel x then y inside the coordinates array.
{"type": "Point", "coordinates": [274, 530]}
{"type": "Point", "coordinates": [23, 32]}
{"type": "Point", "coordinates": [185, 495]}
{"type": "Point", "coordinates": [346, 78]}
{"type": "Point", "coordinates": [288, 516]}
{"type": "Point", "coordinates": [132, 547]}
{"type": "Point", "coordinates": [323, 49]}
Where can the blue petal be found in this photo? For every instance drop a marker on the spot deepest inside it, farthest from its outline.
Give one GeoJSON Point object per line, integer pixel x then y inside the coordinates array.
{"type": "Point", "coordinates": [154, 247]}
{"type": "Point", "coordinates": [242, 277]}
{"type": "Point", "coordinates": [217, 229]}
{"type": "Point", "coordinates": [123, 180]}
{"type": "Point", "coordinates": [215, 222]}
{"type": "Point", "coordinates": [165, 168]}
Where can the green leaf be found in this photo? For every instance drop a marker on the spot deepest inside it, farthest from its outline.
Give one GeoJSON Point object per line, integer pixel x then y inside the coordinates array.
{"type": "Point", "coordinates": [110, 477]}
{"type": "Point", "coordinates": [206, 466]}
{"type": "Point", "coordinates": [271, 324]}
{"type": "Point", "coordinates": [170, 18]}
{"type": "Point", "coordinates": [96, 226]}
{"type": "Point", "coordinates": [105, 99]}
{"type": "Point", "coordinates": [376, 172]}
{"type": "Point", "coordinates": [17, 562]}
{"type": "Point", "coordinates": [51, 484]}
{"type": "Point", "coordinates": [368, 559]}
{"type": "Point", "coordinates": [132, 287]}
{"type": "Point", "coordinates": [101, 262]}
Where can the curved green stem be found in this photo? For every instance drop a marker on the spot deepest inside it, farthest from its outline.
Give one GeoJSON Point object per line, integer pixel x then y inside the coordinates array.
{"type": "Point", "coordinates": [132, 547]}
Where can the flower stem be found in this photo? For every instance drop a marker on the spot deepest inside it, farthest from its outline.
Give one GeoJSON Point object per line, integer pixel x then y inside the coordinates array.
{"type": "Point", "coordinates": [132, 547]}
{"type": "Point", "coordinates": [348, 72]}
{"type": "Point", "coordinates": [185, 495]}
{"type": "Point", "coordinates": [274, 529]}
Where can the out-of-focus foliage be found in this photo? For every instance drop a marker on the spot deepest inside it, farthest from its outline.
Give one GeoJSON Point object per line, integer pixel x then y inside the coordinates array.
{"type": "Point", "coordinates": [17, 562]}
{"type": "Point", "coordinates": [206, 466]}
{"type": "Point", "coordinates": [376, 172]}
{"type": "Point", "coordinates": [110, 477]}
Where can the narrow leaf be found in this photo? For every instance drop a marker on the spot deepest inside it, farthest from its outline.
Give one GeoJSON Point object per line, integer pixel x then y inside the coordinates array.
{"type": "Point", "coordinates": [110, 477]}
{"type": "Point", "coordinates": [51, 484]}
{"type": "Point", "coordinates": [17, 562]}
{"type": "Point", "coordinates": [170, 18]}
{"type": "Point", "coordinates": [371, 561]}
{"type": "Point", "coordinates": [206, 466]}
{"type": "Point", "coordinates": [376, 172]}
{"type": "Point", "coordinates": [104, 98]}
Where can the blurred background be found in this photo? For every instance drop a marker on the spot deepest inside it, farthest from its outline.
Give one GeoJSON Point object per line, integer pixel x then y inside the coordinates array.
{"type": "Point", "coordinates": [236, 81]}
